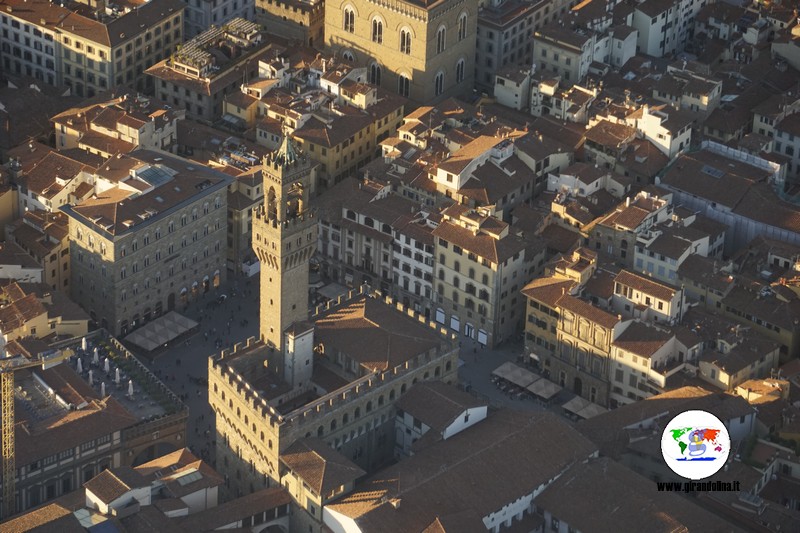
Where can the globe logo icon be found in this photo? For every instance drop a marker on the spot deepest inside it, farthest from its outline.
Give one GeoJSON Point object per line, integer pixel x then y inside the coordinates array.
{"type": "Point", "coordinates": [695, 444]}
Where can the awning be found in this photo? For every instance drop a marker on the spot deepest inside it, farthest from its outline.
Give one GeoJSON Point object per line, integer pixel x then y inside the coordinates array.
{"type": "Point", "coordinates": [544, 389]}
{"type": "Point", "coordinates": [516, 374]}
{"type": "Point", "coordinates": [160, 331]}
{"type": "Point", "coordinates": [332, 291]}
{"type": "Point", "coordinates": [583, 408]}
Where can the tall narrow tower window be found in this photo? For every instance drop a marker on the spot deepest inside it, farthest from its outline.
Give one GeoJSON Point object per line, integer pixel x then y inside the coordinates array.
{"type": "Point", "coordinates": [462, 27]}
{"type": "Point", "coordinates": [377, 31]}
{"type": "Point", "coordinates": [439, 83]}
{"type": "Point", "coordinates": [440, 39]}
{"type": "Point", "coordinates": [460, 71]}
{"type": "Point", "coordinates": [349, 20]}
{"type": "Point", "coordinates": [405, 41]}
{"type": "Point", "coordinates": [403, 85]}
{"type": "Point", "coordinates": [375, 74]}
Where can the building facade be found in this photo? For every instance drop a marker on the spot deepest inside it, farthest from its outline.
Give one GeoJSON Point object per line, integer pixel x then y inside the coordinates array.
{"type": "Point", "coordinates": [504, 37]}
{"type": "Point", "coordinates": [45, 237]}
{"type": "Point", "coordinates": [208, 67]}
{"type": "Point", "coordinates": [296, 20]}
{"type": "Point", "coordinates": [90, 47]}
{"type": "Point", "coordinates": [423, 51]}
{"type": "Point", "coordinates": [480, 268]}
{"type": "Point", "coordinates": [202, 14]}
{"type": "Point", "coordinates": [153, 242]}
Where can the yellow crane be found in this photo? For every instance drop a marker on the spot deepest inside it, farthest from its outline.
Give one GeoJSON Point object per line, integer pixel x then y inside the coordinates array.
{"type": "Point", "coordinates": [8, 366]}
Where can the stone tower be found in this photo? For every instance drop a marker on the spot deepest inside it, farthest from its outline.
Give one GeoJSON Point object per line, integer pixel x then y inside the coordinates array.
{"type": "Point", "coordinates": [284, 239]}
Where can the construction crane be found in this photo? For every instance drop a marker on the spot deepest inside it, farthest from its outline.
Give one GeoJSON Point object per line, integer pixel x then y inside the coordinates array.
{"type": "Point", "coordinates": [8, 366]}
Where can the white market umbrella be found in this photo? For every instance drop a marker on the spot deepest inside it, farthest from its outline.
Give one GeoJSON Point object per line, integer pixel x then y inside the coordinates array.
{"type": "Point", "coordinates": [80, 366]}
{"type": "Point", "coordinates": [96, 358]}
{"type": "Point", "coordinates": [91, 377]}
{"type": "Point", "coordinates": [117, 377]}
{"type": "Point", "coordinates": [130, 388]}
{"type": "Point", "coordinates": [83, 344]}
{"type": "Point", "coordinates": [107, 366]}
{"type": "Point", "coordinates": [103, 389]}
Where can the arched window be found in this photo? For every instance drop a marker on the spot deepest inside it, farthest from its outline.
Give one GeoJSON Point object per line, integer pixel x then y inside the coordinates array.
{"type": "Point", "coordinates": [348, 56]}
{"type": "Point", "coordinates": [462, 27]}
{"type": "Point", "coordinates": [405, 41]}
{"type": "Point", "coordinates": [349, 20]}
{"type": "Point", "coordinates": [439, 83]}
{"type": "Point", "coordinates": [440, 39]}
{"type": "Point", "coordinates": [403, 85]}
{"type": "Point", "coordinates": [460, 71]}
{"type": "Point", "coordinates": [375, 74]}
{"type": "Point", "coordinates": [377, 30]}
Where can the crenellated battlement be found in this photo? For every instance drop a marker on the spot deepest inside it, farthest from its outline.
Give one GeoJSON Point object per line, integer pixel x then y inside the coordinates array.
{"type": "Point", "coordinates": [360, 388]}
{"type": "Point", "coordinates": [260, 213]}
{"type": "Point", "coordinates": [325, 404]}
{"type": "Point", "coordinates": [365, 289]}
{"type": "Point", "coordinates": [354, 390]}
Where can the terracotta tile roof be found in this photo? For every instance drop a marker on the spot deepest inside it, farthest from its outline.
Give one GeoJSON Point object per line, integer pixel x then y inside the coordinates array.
{"type": "Point", "coordinates": [705, 271]}
{"type": "Point", "coordinates": [336, 132]}
{"type": "Point", "coordinates": [780, 214]}
{"type": "Point", "coordinates": [643, 157]}
{"type": "Point", "coordinates": [41, 178]}
{"type": "Point", "coordinates": [82, 24]}
{"type": "Point", "coordinates": [548, 290]}
{"type": "Point", "coordinates": [610, 134]}
{"type": "Point", "coordinates": [669, 245]}
{"type": "Point", "coordinates": [483, 245]}
{"type": "Point", "coordinates": [230, 73]}
{"type": "Point", "coordinates": [436, 404]}
{"type": "Point", "coordinates": [629, 218]}
{"type": "Point", "coordinates": [588, 311]}
{"type": "Point", "coordinates": [559, 238]}
{"type": "Point", "coordinates": [609, 430]}
{"type": "Point", "coordinates": [463, 157]}
{"type": "Point", "coordinates": [745, 299]}
{"type": "Point", "coordinates": [67, 384]}
{"type": "Point", "coordinates": [695, 173]}
{"type": "Point", "coordinates": [483, 468]}
{"type": "Point", "coordinates": [235, 510]}
{"type": "Point", "coordinates": [641, 339]}
{"type": "Point", "coordinates": [375, 334]}
{"type": "Point", "coordinates": [748, 351]}
{"type": "Point", "coordinates": [116, 210]}
{"type": "Point", "coordinates": [600, 285]}
{"type": "Point", "coordinates": [109, 484]}
{"type": "Point", "coordinates": [28, 154]}
{"type": "Point", "coordinates": [15, 314]}
{"type": "Point", "coordinates": [466, 521]}
{"type": "Point", "coordinates": [658, 289]}
{"type": "Point", "coordinates": [320, 466]}
{"type": "Point", "coordinates": [99, 418]}
{"type": "Point", "coordinates": [574, 499]}
{"type": "Point", "coordinates": [50, 518]}
{"type": "Point", "coordinates": [489, 183]}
